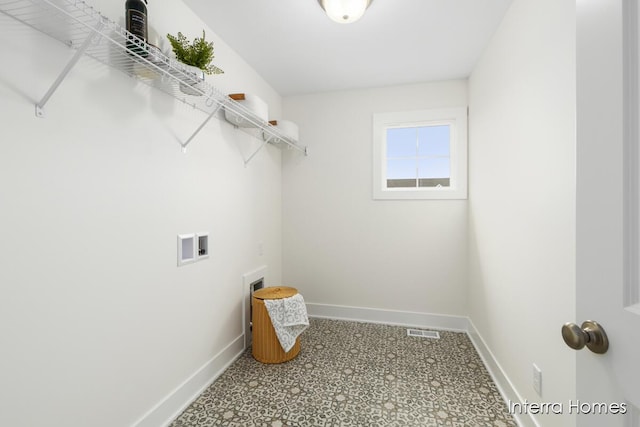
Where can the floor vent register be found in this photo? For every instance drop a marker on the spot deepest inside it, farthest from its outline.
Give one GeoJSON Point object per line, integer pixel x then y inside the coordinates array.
{"type": "Point", "coordinates": [423, 334]}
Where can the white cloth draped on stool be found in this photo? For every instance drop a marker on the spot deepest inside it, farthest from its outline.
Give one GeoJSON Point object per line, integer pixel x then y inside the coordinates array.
{"type": "Point", "coordinates": [289, 319]}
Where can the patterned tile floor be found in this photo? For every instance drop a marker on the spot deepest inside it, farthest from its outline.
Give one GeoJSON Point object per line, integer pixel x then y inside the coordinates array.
{"type": "Point", "coordinates": [356, 374]}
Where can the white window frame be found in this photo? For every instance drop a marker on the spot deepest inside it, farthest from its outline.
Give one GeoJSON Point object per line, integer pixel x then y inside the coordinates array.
{"type": "Point", "coordinates": [457, 118]}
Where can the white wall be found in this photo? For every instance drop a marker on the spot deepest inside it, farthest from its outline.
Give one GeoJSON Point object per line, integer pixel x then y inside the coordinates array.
{"type": "Point", "coordinates": [340, 247]}
{"type": "Point", "coordinates": [522, 197]}
{"type": "Point", "coordinates": [98, 324]}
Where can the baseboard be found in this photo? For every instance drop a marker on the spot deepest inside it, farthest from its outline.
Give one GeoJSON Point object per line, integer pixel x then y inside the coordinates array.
{"type": "Point", "coordinates": [177, 401]}
{"type": "Point", "coordinates": [500, 378]}
{"type": "Point", "coordinates": [389, 317]}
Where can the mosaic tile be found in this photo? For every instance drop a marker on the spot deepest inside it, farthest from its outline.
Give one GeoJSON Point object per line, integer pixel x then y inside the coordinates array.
{"type": "Point", "coordinates": [352, 374]}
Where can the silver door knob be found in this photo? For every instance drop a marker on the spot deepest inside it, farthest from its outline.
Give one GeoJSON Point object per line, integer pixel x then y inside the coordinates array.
{"type": "Point", "coordinates": [591, 335]}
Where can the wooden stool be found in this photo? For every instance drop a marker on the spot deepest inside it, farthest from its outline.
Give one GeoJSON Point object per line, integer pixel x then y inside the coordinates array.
{"type": "Point", "coordinates": [265, 347]}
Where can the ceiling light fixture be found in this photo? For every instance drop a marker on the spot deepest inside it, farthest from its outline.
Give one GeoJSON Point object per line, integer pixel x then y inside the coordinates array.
{"type": "Point", "coordinates": [345, 11]}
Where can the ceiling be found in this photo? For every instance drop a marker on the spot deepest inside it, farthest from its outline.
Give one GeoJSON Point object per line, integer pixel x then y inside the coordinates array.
{"type": "Point", "coordinates": [297, 49]}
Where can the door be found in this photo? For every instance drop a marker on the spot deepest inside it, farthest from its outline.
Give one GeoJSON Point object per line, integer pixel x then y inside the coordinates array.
{"type": "Point", "coordinates": [607, 255]}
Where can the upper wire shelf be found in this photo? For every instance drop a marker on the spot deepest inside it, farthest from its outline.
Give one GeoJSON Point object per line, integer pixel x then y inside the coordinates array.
{"type": "Point", "coordinates": [79, 25]}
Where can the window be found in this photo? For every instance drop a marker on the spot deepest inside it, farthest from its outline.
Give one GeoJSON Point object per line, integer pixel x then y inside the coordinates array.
{"type": "Point", "coordinates": [420, 154]}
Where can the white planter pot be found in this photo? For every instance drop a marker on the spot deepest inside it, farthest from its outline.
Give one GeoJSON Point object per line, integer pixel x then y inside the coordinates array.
{"type": "Point", "coordinates": [193, 81]}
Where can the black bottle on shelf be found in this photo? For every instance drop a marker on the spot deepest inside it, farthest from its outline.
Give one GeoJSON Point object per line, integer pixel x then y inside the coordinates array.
{"type": "Point", "coordinates": [136, 19]}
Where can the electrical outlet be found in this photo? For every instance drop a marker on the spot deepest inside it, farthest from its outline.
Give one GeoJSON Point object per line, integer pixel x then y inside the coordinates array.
{"type": "Point", "coordinates": [537, 380]}
{"type": "Point", "coordinates": [260, 248]}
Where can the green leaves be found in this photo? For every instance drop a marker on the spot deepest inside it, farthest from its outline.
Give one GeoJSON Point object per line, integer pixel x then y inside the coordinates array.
{"type": "Point", "coordinates": [199, 53]}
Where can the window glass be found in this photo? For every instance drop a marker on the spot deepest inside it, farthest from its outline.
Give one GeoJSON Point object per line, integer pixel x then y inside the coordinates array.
{"type": "Point", "coordinates": [434, 140]}
{"type": "Point", "coordinates": [401, 168]}
{"type": "Point", "coordinates": [434, 172]}
{"type": "Point", "coordinates": [401, 173]}
{"type": "Point", "coordinates": [401, 142]}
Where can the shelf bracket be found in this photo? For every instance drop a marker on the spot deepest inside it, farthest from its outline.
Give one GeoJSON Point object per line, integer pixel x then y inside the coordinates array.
{"type": "Point", "coordinates": [40, 105]}
{"type": "Point", "coordinates": [266, 141]}
{"type": "Point", "coordinates": [188, 141]}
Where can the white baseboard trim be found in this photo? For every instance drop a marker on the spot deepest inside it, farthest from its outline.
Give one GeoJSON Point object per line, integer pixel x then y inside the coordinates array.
{"type": "Point", "coordinates": [163, 413]}
{"type": "Point", "coordinates": [389, 317]}
{"type": "Point", "coordinates": [500, 378]}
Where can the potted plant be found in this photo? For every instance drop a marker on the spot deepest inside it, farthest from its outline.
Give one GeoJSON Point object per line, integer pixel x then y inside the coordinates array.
{"type": "Point", "coordinates": [197, 57]}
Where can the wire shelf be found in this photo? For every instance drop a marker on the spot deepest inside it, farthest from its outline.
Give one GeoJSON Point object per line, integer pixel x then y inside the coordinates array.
{"type": "Point", "coordinates": [77, 24]}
